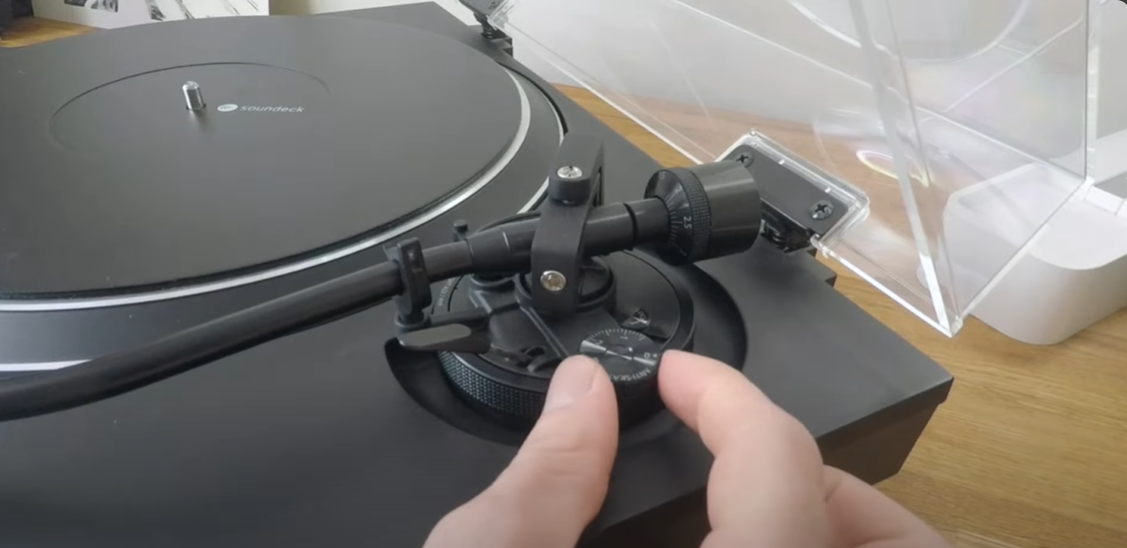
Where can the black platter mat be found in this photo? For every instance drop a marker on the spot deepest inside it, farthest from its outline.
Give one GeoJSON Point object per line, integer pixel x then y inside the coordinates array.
{"type": "Point", "coordinates": [317, 131]}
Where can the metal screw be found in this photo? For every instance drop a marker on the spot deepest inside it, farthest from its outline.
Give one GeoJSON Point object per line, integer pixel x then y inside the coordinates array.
{"type": "Point", "coordinates": [570, 172]}
{"type": "Point", "coordinates": [553, 281]}
{"type": "Point", "coordinates": [744, 158]}
{"type": "Point", "coordinates": [193, 96]}
{"type": "Point", "coordinates": [822, 210]}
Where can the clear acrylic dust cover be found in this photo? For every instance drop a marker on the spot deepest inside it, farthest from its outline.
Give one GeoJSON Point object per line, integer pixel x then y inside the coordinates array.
{"type": "Point", "coordinates": [956, 128]}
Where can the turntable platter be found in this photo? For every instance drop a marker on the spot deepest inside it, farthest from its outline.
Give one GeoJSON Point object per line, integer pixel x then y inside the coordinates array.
{"type": "Point", "coordinates": [307, 143]}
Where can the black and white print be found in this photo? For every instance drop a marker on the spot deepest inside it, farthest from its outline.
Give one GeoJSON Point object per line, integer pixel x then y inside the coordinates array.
{"type": "Point", "coordinates": [105, 5]}
{"type": "Point", "coordinates": [167, 10]}
{"type": "Point", "coordinates": [172, 10]}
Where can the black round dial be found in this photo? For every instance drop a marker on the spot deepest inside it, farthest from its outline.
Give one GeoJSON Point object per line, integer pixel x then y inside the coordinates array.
{"type": "Point", "coordinates": [628, 356]}
{"type": "Point", "coordinates": [631, 359]}
{"type": "Point", "coordinates": [626, 327]}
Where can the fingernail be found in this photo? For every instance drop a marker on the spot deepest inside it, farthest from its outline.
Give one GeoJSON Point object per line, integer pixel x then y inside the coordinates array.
{"type": "Point", "coordinates": [572, 380]}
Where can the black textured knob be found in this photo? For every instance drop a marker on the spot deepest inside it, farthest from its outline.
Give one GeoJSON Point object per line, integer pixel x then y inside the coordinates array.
{"type": "Point", "coordinates": [714, 210]}
{"type": "Point", "coordinates": [626, 327]}
{"type": "Point", "coordinates": [516, 394]}
{"type": "Point", "coordinates": [631, 360]}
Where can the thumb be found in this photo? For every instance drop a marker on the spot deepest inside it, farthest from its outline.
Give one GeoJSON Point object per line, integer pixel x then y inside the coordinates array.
{"type": "Point", "coordinates": [558, 480]}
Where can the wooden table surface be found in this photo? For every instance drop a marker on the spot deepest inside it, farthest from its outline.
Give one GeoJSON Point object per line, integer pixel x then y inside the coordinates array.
{"type": "Point", "coordinates": [1030, 450]}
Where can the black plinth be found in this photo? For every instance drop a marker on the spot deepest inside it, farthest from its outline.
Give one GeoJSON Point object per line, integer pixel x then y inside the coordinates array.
{"type": "Point", "coordinates": [310, 441]}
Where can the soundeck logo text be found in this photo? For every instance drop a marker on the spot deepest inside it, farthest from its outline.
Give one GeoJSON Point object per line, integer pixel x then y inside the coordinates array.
{"type": "Point", "coordinates": [230, 107]}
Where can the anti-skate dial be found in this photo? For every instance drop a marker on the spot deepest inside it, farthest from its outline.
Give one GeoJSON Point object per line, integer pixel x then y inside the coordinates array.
{"type": "Point", "coordinates": [631, 359]}
{"type": "Point", "coordinates": [626, 327]}
{"type": "Point", "coordinates": [627, 355]}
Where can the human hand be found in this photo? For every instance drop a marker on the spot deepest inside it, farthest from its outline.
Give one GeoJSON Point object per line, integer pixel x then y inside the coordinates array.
{"type": "Point", "coordinates": [556, 483]}
{"type": "Point", "coordinates": [767, 488]}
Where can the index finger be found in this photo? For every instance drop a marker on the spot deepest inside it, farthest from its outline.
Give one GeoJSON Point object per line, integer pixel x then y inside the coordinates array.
{"type": "Point", "coordinates": [766, 484]}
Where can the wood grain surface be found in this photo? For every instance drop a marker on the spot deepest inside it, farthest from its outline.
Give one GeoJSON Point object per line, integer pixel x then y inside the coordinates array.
{"type": "Point", "coordinates": [32, 30]}
{"type": "Point", "coordinates": [1030, 451]}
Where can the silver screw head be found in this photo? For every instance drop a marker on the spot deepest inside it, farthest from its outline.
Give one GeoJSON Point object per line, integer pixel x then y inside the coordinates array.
{"type": "Point", "coordinates": [570, 172]}
{"type": "Point", "coordinates": [553, 281]}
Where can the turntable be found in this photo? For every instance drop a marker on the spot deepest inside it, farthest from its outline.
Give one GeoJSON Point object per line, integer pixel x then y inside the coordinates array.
{"type": "Point", "coordinates": [201, 226]}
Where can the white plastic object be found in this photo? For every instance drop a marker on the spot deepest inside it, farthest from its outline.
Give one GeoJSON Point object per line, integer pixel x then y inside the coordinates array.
{"type": "Point", "coordinates": [1073, 274]}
